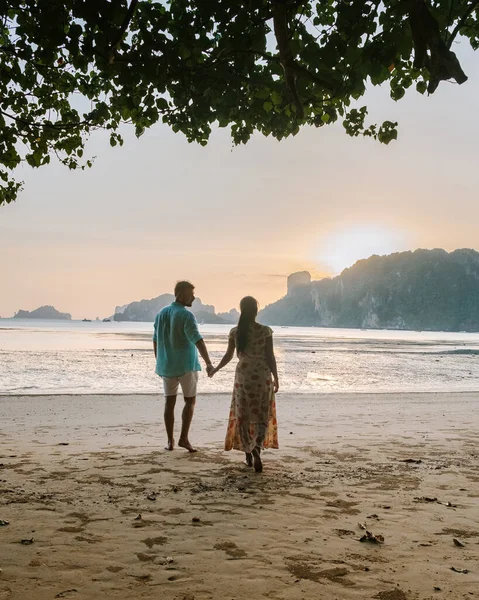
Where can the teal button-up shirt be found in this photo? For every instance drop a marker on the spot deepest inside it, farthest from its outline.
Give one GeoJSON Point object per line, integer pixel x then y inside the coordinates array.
{"type": "Point", "coordinates": [176, 333]}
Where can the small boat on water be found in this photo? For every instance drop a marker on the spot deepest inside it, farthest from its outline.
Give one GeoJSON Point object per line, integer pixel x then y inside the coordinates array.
{"type": "Point", "coordinates": [106, 320]}
{"type": "Point", "coordinates": [86, 320]}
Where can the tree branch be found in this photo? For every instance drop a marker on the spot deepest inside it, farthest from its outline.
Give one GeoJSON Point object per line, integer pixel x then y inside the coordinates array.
{"type": "Point", "coordinates": [59, 127]}
{"type": "Point", "coordinates": [441, 62]}
{"type": "Point", "coordinates": [123, 29]}
{"type": "Point", "coordinates": [461, 22]}
{"type": "Point", "coordinates": [281, 32]}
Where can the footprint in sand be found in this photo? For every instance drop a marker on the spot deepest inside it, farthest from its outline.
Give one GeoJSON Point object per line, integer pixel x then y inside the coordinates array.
{"type": "Point", "coordinates": [114, 569]}
{"type": "Point", "coordinates": [158, 541]}
{"type": "Point", "coordinates": [231, 549]}
{"type": "Point", "coordinates": [92, 539]}
{"type": "Point", "coordinates": [145, 557]}
{"type": "Point", "coordinates": [392, 595]}
{"type": "Point", "coordinates": [306, 568]}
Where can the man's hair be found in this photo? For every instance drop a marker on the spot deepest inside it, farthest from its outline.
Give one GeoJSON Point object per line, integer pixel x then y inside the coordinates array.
{"type": "Point", "coordinates": [183, 286]}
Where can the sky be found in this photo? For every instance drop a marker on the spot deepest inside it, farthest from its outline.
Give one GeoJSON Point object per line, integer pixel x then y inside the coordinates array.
{"type": "Point", "coordinates": [238, 220]}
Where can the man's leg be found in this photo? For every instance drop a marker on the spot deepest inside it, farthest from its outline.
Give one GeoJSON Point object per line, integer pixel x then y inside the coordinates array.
{"type": "Point", "coordinates": [187, 417]}
{"type": "Point", "coordinates": [169, 415]}
{"type": "Point", "coordinates": [188, 382]}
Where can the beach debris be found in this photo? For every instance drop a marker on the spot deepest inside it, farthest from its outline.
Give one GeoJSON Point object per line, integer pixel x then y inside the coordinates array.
{"type": "Point", "coordinates": [373, 516]}
{"type": "Point", "coordinates": [370, 537]}
{"type": "Point", "coordinates": [3, 523]}
{"type": "Point", "coordinates": [196, 519]}
{"type": "Point", "coordinates": [437, 588]}
{"type": "Point", "coordinates": [429, 499]}
{"type": "Point", "coordinates": [416, 461]}
{"type": "Point", "coordinates": [362, 526]}
{"type": "Point", "coordinates": [27, 542]}
{"type": "Point", "coordinates": [456, 570]}
{"type": "Point", "coordinates": [63, 444]}
{"type": "Point", "coordinates": [151, 496]}
{"type": "Point", "coordinates": [175, 489]}
{"type": "Point", "coordinates": [66, 592]}
{"type": "Point", "coordinates": [425, 499]}
{"type": "Point", "coordinates": [386, 506]}
{"type": "Point", "coordinates": [137, 518]}
{"type": "Point", "coordinates": [457, 543]}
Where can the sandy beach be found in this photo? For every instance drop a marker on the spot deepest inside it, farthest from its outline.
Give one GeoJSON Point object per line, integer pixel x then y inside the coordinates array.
{"type": "Point", "coordinates": [97, 509]}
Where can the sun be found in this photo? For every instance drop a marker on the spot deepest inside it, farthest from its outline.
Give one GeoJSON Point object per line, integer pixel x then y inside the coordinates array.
{"type": "Point", "coordinates": [341, 248]}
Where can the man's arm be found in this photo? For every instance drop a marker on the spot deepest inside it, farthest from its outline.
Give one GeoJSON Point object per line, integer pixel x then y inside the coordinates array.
{"type": "Point", "coordinates": [155, 336]}
{"type": "Point", "coordinates": [195, 337]}
{"type": "Point", "coordinates": [200, 344]}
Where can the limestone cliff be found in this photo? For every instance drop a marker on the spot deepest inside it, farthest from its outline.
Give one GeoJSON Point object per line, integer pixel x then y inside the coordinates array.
{"type": "Point", "coordinates": [420, 290]}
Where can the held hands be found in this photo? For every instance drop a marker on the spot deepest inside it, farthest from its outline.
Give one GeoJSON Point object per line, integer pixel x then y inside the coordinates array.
{"type": "Point", "coordinates": [210, 370]}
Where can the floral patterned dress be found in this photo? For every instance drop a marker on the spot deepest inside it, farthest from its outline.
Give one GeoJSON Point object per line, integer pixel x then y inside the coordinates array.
{"type": "Point", "coordinates": [252, 420]}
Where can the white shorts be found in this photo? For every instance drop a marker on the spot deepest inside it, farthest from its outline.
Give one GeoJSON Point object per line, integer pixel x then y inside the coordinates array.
{"type": "Point", "coordinates": [188, 383]}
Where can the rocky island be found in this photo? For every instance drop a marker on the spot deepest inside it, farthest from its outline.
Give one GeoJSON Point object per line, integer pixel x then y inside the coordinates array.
{"type": "Point", "coordinates": [43, 312]}
{"type": "Point", "coordinates": [146, 310]}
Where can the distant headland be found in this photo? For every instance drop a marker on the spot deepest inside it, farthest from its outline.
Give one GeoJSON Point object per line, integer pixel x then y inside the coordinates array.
{"type": "Point", "coordinates": [424, 290]}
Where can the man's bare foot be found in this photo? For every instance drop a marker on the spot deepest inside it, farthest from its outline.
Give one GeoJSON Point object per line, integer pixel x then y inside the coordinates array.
{"type": "Point", "coordinates": [249, 459]}
{"type": "Point", "coordinates": [170, 445]}
{"type": "Point", "coordinates": [186, 444]}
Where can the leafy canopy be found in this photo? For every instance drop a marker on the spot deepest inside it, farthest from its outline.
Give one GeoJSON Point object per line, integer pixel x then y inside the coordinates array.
{"type": "Point", "coordinates": [68, 67]}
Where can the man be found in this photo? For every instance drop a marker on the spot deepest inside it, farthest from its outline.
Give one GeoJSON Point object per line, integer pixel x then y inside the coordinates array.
{"type": "Point", "coordinates": [176, 342]}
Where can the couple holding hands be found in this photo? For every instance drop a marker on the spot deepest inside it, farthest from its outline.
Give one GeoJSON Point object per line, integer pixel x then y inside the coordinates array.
{"type": "Point", "coordinates": [252, 423]}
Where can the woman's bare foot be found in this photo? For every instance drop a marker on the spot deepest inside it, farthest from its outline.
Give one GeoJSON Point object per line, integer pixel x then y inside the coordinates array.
{"type": "Point", "coordinates": [249, 459]}
{"type": "Point", "coordinates": [258, 465]}
{"type": "Point", "coordinates": [186, 444]}
{"type": "Point", "coordinates": [170, 446]}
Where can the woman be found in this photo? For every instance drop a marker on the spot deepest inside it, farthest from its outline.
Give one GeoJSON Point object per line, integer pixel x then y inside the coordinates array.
{"type": "Point", "coordinates": [252, 421]}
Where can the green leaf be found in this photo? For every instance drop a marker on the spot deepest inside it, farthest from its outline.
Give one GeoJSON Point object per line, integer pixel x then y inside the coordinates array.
{"type": "Point", "coordinates": [421, 86]}
{"type": "Point", "coordinates": [276, 98]}
{"type": "Point", "coordinates": [268, 106]}
{"type": "Point", "coordinates": [161, 104]}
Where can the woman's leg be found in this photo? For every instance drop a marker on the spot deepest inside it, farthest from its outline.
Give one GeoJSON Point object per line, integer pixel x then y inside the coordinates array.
{"type": "Point", "coordinates": [258, 465]}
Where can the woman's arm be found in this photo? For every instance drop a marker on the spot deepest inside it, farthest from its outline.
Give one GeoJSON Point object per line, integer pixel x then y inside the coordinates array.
{"type": "Point", "coordinates": [227, 357]}
{"type": "Point", "coordinates": [271, 360]}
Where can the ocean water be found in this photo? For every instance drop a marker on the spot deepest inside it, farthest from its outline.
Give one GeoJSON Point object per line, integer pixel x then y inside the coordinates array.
{"type": "Point", "coordinates": [53, 357]}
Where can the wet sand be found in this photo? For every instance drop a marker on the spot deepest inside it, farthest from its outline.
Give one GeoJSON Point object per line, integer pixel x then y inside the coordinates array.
{"type": "Point", "coordinates": [104, 512]}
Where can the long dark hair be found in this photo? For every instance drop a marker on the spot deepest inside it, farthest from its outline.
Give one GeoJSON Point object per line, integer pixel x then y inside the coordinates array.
{"type": "Point", "coordinates": [249, 310]}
